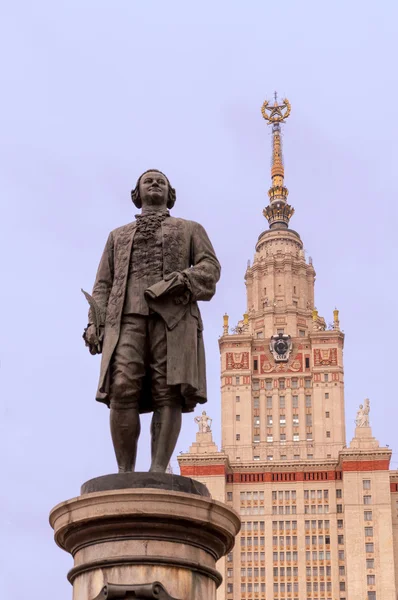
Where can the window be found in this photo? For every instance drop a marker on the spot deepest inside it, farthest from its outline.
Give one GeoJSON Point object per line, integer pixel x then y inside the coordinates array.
{"type": "Point", "coordinates": [369, 547]}
{"type": "Point", "coordinates": [296, 437]}
{"type": "Point", "coordinates": [366, 484]}
{"type": "Point", "coordinates": [339, 493]}
{"type": "Point", "coordinates": [268, 384]}
{"type": "Point", "coordinates": [237, 380]}
{"type": "Point", "coordinates": [368, 515]}
{"type": "Point", "coordinates": [259, 334]}
{"type": "Point", "coordinates": [256, 385]}
{"type": "Point", "coordinates": [307, 366]}
{"type": "Point", "coordinates": [301, 333]}
{"type": "Point", "coordinates": [280, 331]}
{"type": "Point", "coordinates": [269, 402]}
{"type": "Point", "coordinates": [256, 458]}
{"type": "Point", "coordinates": [283, 438]}
{"type": "Point", "coordinates": [327, 414]}
{"type": "Point", "coordinates": [281, 384]}
{"type": "Point", "coordinates": [341, 554]}
{"type": "Point", "coordinates": [283, 456]}
{"type": "Point", "coordinates": [256, 403]}
{"type": "Point", "coordinates": [281, 401]}
{"type": "Point", "coordinates": [369, 531]}
{"type": "Point", "coordinates": [269, 456]}
{"type": "Point", "coordinates": [371, 595]}
{"type": "Point", "coordinates": [295, 420]}
{"type": "Point", "coordinates": [308, 401]}
{"type": "Point", "coordinates": [237, 417]}
{"type": "Point", "coordinates": [326, 377]}
{"type": "Point", "coordinates": [371, 579]}
{"type": "Point", "coordinates": [310, 456]}
{"type": "Point", "coordinates": [294, 382]}
{"type": "Point", "coordinates": [255, 364]}
{"type": "Point", "coordinates": [340, 539]}
{"type": "Point", "coordinates": [307, 382]}
{"type": "Point", "coordinates": [295, 401]}
{"type": "Point", "coordinates": [370, 563]}
{"type": "Point", "coordinates": [328, 434]}
{"type": "Point", "coordinates": [256, 439]}
{"type": "Point", "coordinates": [229, 496]}
{"type": "Point", "coordinates": [282, 419]}
{"type": "Point", "coordinates": [237, 398]}
{"type": "Point", "coordinates": [327, 396]}
{"type": "Point", "coordinates": [341, 571]}
{"type": "Point", "coordinates": [340, 524]}
{"type": "Point", "coordinates": [339, 508]}
{"type": "Point", "coordinates": [237, 437]}
{"type": "Point", "coordinates": [269, 420]}
{"type": "Point", "coordinates": [342, 586]}
{"type": "Point", "coordinates": [230, 588]}
{"type": "Point", "coordinates": [367, 499]}
{"type": "Point", "coordinates": [229, 557]}
{"type": "Point", "coordinates": [308, 420]}
{"type": "Point", "coordinates": [229, 572]}
{"type": "Point", "coordinates": [296, 457]}
{"type": "Point", "coordinates": [270, 438]}
{"type": "Point", "coordinates": [256, 422]}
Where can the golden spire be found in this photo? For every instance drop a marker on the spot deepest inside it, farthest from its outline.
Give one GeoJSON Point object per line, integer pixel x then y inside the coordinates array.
{"type": "Point", "coordinates": [279, 211]}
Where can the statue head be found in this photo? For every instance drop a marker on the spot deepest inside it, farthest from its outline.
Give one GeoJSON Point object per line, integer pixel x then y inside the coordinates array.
{"type": "Point", "coordinates": [153, 189]}
{"type": "Point", "coordinates": [361, 406]}
{"type": "Point", "coordinates": [204, 412]}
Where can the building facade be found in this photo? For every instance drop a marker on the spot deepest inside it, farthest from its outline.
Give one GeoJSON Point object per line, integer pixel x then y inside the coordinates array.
{"type": "Point", "coordinates": [319, 518]}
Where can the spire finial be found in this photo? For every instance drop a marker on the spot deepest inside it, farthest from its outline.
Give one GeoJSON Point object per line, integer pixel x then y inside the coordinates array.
{"type": "Point", "coordinates": [279, 211]}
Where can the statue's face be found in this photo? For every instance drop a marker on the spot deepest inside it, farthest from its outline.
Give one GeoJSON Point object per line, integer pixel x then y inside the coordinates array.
{"type": "Point", "coordinates": [154, 189]}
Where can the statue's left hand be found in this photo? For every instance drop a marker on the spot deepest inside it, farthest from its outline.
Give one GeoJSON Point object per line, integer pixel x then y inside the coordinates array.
{"type": "Point", "coordinates": [181, 285]}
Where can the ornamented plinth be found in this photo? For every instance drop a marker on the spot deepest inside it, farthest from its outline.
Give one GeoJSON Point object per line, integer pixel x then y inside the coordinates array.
{"type": "Point", "coordinates": [141, 535]}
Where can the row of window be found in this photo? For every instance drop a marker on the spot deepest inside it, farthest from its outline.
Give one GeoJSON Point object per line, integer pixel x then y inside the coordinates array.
{"type": "Point", "coordinates": [251, 572]}
{"type": "Point", "coordinates": [248, 557]}
{"type": "Point", "coordinates": [313, 494]}
{"type": "Point", "coordinates": [321, 524]}
{"type": "Point", "coordinates": [281, 383]}
{"type": "Point", "coordinates": [283, 541]}
{"type": "Point", "coordinates": [252, 495]}
{"type": "Point", "coordinates": [320, 555]}
{"type": "Point", "coordinates": [321, 571]}
{"type": "Point", "coordinates": [319, 509]}
{"type": "Point", "coordinates": [284, 510]}
{"type": "Point", "coordinates": [282, 401]}
{"type": "Point", "coordinates": [285, 556]}
{"type": "Point", "coordinates": [320, 540]}
{"type": "Point", "coordinates": [282, 525]}
{"type": "Point", "coordinates": [280, 571]}
{"type": "Point", "coordinates": [322, 586]}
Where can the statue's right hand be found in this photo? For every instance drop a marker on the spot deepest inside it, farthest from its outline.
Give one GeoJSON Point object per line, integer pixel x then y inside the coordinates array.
{"type": "Point", "coordinates": [91, 339]}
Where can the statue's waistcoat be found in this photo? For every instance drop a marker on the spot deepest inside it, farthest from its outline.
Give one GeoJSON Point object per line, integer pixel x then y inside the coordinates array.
{"type": "Point", "coordinates": [175, 257]}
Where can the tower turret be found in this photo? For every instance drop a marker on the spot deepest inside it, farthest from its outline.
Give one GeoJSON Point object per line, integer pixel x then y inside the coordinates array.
{"type": "Point", "coordinates": [278, 212]}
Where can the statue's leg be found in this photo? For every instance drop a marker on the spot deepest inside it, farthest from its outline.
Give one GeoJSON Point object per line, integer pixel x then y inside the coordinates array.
{"type": "Point", "coordinates": [165, 429]}
{"type": "Point", "coordinates": [125, 431]}
{"type": "Point", "coordinates": [166, 420]}
{"type": "Point", "coordinates": [127, 373]}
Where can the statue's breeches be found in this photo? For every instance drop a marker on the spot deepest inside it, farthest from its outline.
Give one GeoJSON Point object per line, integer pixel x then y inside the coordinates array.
{"type": "Point", "coordinates": [139, 366]}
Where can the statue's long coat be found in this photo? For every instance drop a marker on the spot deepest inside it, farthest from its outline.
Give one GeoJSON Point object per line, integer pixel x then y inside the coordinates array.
{"type": "Point", "coordinates": [186, 249]}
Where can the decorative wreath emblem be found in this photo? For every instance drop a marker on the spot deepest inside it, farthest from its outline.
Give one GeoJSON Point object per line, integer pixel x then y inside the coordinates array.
{"type": "Point", "coordinates": [276, 113]}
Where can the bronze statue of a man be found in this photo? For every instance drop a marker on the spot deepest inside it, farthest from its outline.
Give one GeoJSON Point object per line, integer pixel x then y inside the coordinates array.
{"type": "Point", "coordinates": [151, 275]}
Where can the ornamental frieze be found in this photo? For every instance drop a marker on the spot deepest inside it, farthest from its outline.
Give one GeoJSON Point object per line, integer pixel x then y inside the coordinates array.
{"type": "Point", "coordinates": [237, 360]}
{"type": "Point", "coordinates": [326, 357]}
{"type": "Point", "coordinates": [294, 365]}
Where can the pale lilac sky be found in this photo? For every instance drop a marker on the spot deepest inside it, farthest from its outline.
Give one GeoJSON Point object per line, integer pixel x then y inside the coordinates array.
{"type": "Point", "coordinates": [95, 92]}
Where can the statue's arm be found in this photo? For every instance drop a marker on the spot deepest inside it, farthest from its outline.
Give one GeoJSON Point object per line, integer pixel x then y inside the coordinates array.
{"type": "Point", "coordinates": [205, 270]}
{"type": "Point", "coordinates": [104, 278]}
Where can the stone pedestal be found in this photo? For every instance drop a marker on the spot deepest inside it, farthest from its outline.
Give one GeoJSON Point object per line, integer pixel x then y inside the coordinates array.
{"type": "Point", "coordinates": [141, 528]}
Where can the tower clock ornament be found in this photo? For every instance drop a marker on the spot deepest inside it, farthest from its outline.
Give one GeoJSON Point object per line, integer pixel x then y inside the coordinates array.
{"type": "Point", "coordinates": [281, 346]}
